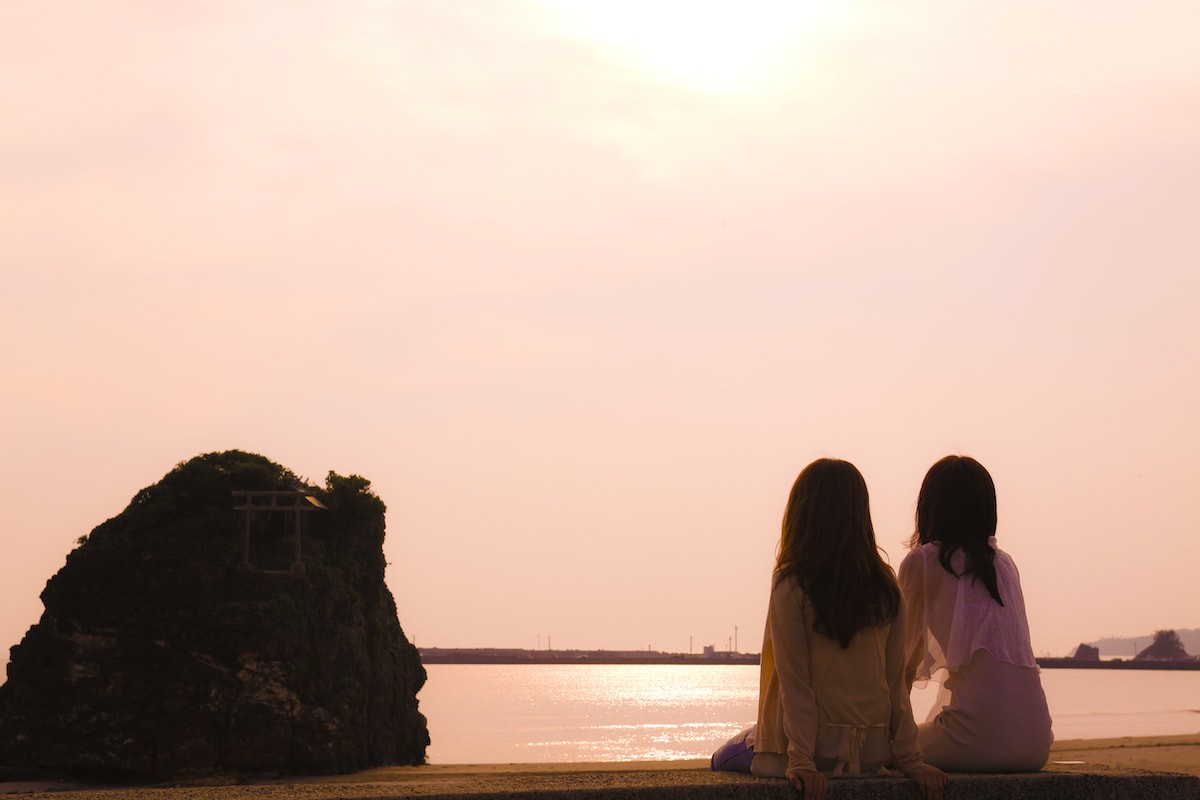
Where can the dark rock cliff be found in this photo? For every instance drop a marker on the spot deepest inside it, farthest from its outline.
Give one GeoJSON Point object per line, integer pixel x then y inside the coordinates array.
{"type": "Point", "coordinates": [161, 654]}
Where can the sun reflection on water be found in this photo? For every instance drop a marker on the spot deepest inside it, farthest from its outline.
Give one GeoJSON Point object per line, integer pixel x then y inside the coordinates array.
{"type": "Point", "coordinates": [562, 713]}
{"type": "Point", "coordinates": [577, 713]}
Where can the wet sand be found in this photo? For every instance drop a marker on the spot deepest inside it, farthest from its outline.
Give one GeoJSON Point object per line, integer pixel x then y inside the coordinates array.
{"type": "Point", "coordinates": [1121, 756]}
{"type": "Point", "coordinates": [1150, 753]}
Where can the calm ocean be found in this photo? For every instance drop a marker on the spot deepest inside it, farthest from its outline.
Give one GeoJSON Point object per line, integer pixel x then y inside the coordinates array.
{"type": "Point", "coordinates": [488, 714]}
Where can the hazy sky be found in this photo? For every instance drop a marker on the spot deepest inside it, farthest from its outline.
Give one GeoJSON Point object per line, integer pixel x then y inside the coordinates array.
{"type": "Point", "coordinates": [582, 286]}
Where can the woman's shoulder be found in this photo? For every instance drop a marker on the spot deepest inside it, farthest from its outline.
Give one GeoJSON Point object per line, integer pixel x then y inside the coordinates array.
{"type": "Point", "coordinates": [917, 557]}
{"type": "Point", "coordinates": [786, 589]}
{"type": "Point", "coordinates": [1003, 561]}
{"type": "Point", "coordinates": [785, 584]}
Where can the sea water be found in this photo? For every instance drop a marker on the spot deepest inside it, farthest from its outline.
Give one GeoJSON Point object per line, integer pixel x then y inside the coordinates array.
{"type": "Point", "coordinates": [495, 714]}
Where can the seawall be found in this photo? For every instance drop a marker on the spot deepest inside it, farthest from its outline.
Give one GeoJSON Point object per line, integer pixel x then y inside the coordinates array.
{"type": "Point", "coordinates": [659, 784]}
{"type": "Point", "coordinates": [1153, 767]}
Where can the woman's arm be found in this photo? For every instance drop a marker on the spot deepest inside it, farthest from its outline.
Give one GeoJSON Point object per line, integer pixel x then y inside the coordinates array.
{"type": "Point", "coordinates": [905, 751]}
{"type": "Point", "coordinates": [789, 635]}
{"type": "Point", "coordinates": [912, 590]}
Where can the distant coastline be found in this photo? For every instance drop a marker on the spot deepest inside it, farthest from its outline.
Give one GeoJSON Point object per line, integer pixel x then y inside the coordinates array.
{"type": "Point", "coordinates": [493, 655]}
{"type": "Point", "coordinates": [1130, 645]}
{"type": "Point", "coordinates": [1115, 663]}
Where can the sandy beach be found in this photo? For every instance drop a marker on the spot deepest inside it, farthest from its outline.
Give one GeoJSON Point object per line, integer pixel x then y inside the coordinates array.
{"type": "Point", "coordinates": [1126, 755]}
{"type": "Point", "coordinates": [1149, 753]}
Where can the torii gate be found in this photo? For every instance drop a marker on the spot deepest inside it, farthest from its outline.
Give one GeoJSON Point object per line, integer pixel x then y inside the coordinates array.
{"type": "Point", "coordinates": [298, 501]}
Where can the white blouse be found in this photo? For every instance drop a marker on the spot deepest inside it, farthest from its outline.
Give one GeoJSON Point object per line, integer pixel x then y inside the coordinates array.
{"type": "Point", "coordinates": [951, 618]}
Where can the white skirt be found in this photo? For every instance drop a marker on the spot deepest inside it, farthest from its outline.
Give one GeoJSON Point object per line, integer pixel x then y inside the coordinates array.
{"type": "Point", "coordinates": [991, 716]}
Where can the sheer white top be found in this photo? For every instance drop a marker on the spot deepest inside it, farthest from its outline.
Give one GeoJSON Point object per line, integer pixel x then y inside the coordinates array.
{"type": "Point", "coordinates": [951, 618]}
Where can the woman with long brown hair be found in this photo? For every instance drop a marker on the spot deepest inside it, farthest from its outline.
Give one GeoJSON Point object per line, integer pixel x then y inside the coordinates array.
{"type": "Point", "coordinates": [833, 694]}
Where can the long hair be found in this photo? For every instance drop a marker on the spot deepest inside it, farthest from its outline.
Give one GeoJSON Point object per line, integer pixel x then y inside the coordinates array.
{"type": "Point", "coordinates": [956, 508]}
{"type": "Point", "coordinates": [828, 546]}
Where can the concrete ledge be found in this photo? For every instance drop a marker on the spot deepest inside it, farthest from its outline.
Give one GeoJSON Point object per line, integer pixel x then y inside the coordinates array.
{"type": "Point", "coordinates": [653, 784]}
{"type": "Point", "coordinates": [699, 785]}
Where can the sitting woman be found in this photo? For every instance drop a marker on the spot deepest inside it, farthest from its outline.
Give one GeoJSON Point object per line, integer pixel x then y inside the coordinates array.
{"type": "Point", "coordinates": [967, 627]}
{"type": "Point", "coordinates": [833, 694]}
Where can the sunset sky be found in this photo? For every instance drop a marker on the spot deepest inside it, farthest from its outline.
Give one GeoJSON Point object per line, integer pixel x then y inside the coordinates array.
{"type": "Point", "coordinates": [581, 286]}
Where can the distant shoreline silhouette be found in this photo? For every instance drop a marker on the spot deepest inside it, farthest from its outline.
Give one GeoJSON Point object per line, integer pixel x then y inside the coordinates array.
{"type": "Point", "coordinates": [494, 655]}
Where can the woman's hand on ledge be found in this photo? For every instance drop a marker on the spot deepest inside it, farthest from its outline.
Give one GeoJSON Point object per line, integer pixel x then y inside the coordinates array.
{"type": "Point", "coordinates": [812, 783]}
{"type": "Point", "coordinates": [930, 780]}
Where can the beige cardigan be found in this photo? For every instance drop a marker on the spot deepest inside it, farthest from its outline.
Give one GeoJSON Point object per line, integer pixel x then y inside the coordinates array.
{"type": "Point", "coordinates": [829, 709]}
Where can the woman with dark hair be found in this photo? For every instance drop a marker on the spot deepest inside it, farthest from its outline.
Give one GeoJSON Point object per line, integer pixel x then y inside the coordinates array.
{"type": "Point", "coordinates": [833, 694]}
{"type": "Point", "coordinates": [967, 628]}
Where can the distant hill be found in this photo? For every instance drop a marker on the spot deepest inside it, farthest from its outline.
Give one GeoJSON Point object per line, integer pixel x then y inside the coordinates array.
{"type": "Point", "coordinates": [1126, 647]}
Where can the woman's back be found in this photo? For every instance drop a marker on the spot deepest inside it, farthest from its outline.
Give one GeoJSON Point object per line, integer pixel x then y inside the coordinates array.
{"type": "Point", "coordinates": [858, 715]}
{"type": "Point", "coordinates": [967, 628]}
{"type": "Point", "coordinates": [956, 616]}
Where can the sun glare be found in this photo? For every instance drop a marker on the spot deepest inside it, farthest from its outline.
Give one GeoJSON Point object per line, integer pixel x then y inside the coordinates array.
{"type": "Point", "coordinates": [713, 45]}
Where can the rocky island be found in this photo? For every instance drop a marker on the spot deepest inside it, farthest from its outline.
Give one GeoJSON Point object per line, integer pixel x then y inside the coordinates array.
{"type": "Point", "coordinates": [232, 619]}
{"type": "Point", "coordinates": [1167, 646]}
{"type": "Point", "coordinates": [1165, 652]}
